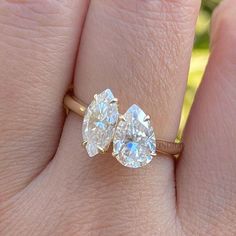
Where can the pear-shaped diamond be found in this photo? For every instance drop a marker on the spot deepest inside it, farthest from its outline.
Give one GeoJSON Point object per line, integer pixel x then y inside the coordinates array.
{"type": "Point", "coordinates": [99, 122]}
{"type": "Point", "coordinates": [134, 142]}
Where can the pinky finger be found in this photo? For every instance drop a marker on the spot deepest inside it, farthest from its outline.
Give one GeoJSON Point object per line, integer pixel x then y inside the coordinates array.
{"type": "Point", "coordinates": [206, 174]}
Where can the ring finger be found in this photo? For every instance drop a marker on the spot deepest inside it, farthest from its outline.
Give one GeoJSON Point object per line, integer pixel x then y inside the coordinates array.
{"type": "Point", "coordinates": [141, 50]}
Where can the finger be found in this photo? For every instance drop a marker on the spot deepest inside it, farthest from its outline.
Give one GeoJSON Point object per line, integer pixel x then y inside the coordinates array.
{"type": "Point", "coordinates": [206, 174]}
{"type": "Point", "coordinates": [38, 44]}
{"type": "Point", "coordinates": [141, 51]}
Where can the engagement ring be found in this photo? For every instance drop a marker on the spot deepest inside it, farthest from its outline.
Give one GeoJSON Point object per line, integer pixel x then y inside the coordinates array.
{"type": "Point", "coordinates": [134, 141]}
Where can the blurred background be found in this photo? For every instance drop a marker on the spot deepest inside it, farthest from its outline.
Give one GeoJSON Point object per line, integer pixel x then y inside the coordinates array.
{"type": "Point", "coordinates": [199, 57]}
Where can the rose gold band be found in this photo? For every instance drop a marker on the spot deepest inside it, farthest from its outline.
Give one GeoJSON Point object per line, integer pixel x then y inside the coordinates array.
{"type": "Point", "coordinates": [172, 149]}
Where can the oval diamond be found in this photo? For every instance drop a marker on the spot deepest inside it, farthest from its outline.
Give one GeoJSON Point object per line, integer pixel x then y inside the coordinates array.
{"type": "Point", "coordinates": [134, 142]}
{"type": "Point", "coordinates": [99, 122]}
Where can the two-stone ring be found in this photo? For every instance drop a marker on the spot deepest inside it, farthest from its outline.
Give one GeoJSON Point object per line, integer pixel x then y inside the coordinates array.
{"type": "Point", "coordinates": [132, 135]}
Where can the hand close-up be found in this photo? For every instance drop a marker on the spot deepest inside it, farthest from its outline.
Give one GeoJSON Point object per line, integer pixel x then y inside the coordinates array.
{"type": "Point", "coordinates": [141, 51]}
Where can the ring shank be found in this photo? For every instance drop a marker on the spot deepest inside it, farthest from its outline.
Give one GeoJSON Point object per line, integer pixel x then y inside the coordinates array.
{"type": "Point", "coordinates": [173, 149]}
{"type": "Point", "coordinates": [72, 104]}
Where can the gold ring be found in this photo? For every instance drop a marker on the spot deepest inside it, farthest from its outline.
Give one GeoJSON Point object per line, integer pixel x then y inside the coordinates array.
{"type": "Point", "coordinates": [134, 141]}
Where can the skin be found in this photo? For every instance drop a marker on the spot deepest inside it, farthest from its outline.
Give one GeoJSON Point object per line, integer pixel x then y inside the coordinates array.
{"type": "Point", "coordinates": [141, 50]}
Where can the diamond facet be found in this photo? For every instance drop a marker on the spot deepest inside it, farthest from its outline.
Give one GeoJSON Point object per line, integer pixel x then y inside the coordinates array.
{"type": "Point", "coordinates": [99, 123]}
{"type": "Point", "coordinates": [134, 141]}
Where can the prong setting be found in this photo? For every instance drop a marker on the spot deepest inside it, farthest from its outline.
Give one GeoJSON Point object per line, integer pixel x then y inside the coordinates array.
{"type": "Point", "coordinates": [101, 150]}
{"type": "Point", "coordinates": [122, 118]}
{"type": "Point", "coordinates": [146, 118]}
{"type": "Point", "coordinates": [115, 154]}
{"type": "Point", "coordinates": [114, 100]}
{"type": "Point", "coordinates": [84, 143]}
{"type": "Point", "coordinates": [95, 97]}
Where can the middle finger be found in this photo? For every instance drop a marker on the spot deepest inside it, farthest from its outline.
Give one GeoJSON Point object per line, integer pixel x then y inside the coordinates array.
{"type": "Point", "coordinates": [141, 50]}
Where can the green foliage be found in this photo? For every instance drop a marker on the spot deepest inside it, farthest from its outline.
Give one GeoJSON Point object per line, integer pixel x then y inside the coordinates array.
{"type": "Point", "coordinates": [209, 5]}
{"type": "Point", "coordinates": [202, 36]}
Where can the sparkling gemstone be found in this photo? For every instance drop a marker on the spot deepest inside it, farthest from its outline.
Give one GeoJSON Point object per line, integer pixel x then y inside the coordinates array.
{"type": "Point", "coordinates": [99, 122]}
{"type": "Point", "coordinates": [134, 142]}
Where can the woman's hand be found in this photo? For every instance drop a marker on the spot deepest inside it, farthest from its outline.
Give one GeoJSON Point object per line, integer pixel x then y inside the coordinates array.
{"type": "Point", "coordinates": [141, 50]}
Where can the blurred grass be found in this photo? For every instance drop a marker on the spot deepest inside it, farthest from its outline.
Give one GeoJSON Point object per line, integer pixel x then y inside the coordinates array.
{"type": "Point", "coordinates": [199, 57]}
